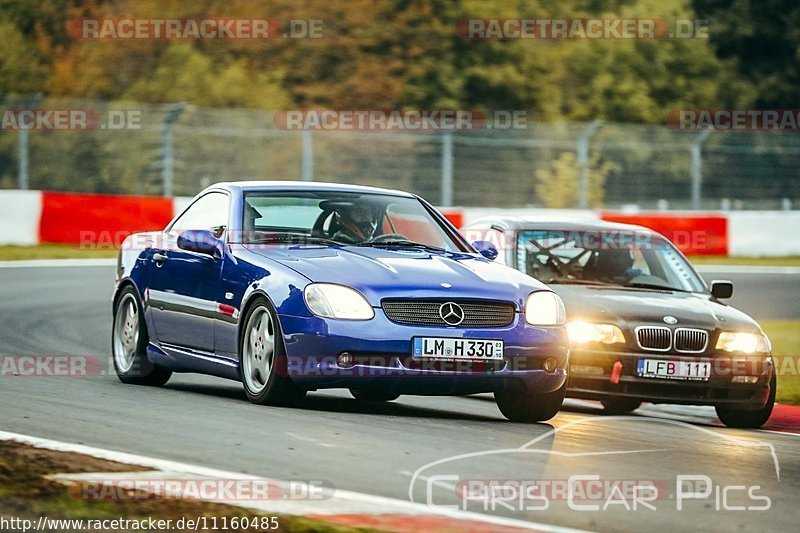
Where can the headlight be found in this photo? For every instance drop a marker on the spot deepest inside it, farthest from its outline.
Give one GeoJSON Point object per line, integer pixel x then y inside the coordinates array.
{"type": "Point", "coordinates": [739, 341]}
{"type": "Point", "coordinates": [584, 332]}
{"type": "Point", "coordinates": [337, 301]}
{"type": "Point", "coordinates": [544, 308]}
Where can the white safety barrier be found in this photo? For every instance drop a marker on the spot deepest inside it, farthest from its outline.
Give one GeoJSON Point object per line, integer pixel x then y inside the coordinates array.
{"type": "Point", "coordinates": [20, 213]}
{"type": "Point", "coordinates": [764, 233]}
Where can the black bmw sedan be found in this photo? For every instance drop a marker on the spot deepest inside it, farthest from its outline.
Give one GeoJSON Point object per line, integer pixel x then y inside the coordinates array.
{"type": "Point", "coordinates": [644, 325]}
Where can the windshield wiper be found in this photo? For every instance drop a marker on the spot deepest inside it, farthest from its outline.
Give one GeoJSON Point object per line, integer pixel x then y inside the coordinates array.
{"type": "Point", "coordinates": [653, 286]}
{"type": "Point", "coordinates": [568, 281]}
{"type": "Point", "coordinates": [294, 237]}
{"type": "Point", "coordinates": [401, 243]}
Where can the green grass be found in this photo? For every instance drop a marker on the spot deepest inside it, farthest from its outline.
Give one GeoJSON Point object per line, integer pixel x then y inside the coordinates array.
{"type": "Point", "coordinates": [785, 337]}
{"type": "Point", "coordinates": [793, 260]}
{"type": "Point", "coordinates": [12, 252]}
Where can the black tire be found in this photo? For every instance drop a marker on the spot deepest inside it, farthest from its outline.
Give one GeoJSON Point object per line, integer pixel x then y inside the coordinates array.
{"type": "Point", "coordinates": [620, 406]}
{"type": "Point", "coordinates": [521, 406]}
{"type": "Point", "coordinates": [133, 368]}
{"type": "Point", "coordinates": [740, 418]}
{"type": "Point", "coordinates": [374, 395]}
{"type": "Point", "coordinates": [275, 387]}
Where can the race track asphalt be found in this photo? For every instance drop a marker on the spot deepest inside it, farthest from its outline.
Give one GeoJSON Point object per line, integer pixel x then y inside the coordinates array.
{"type": "Point", "coordinates": [375, 449]}
{"type": "Point", "coordinates": [765, 294]}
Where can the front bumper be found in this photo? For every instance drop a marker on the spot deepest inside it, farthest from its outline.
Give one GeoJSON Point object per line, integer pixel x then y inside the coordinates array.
{"type": "Point", "coordinates": [382, 357]}
{"type": "Point", "coordinates": [718, 390]}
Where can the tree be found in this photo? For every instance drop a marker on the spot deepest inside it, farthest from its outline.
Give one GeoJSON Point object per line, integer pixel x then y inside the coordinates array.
{"type": "Point", "coordinates": [761, 41]}
{"type": "Point", "coordinates": [558, 185]}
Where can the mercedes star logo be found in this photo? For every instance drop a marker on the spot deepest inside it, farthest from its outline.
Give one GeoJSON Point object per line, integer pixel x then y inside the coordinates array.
{"type": "Point", "coordinates": [670, 319]}
{"type": "Point", "coordinates": [451, 313]}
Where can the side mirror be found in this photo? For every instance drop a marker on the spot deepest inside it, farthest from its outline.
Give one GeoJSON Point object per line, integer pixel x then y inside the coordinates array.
{"type": "Point", "coordinates": [200, 241]}
{"type": "Point", "coordinates": [721, 289]}
{"type": "Point", "coordinates": [486, 249]}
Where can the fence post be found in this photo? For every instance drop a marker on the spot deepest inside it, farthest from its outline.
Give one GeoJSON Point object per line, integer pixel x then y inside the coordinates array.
{"type": "Point", "coordinates": [697, 169]}
{"type": "Point", "coordinates": [447, 170]}
{"type": "Point", "coordinates": [23, 147]}
{"type": "Point", "coordinates": [307, 163]}
{"type": "Point", "coordinates": [168, 155]}
{"type": "Point", "coordinates": [22, 160]}
{"type": "Point", "coordinates": [583, 162]}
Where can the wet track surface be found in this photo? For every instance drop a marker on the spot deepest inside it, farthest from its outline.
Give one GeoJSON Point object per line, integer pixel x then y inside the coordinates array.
{"type": "Point", "coordinates": [376, 449]}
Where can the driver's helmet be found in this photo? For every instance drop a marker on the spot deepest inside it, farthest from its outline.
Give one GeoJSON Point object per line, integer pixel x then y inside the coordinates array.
{"type": "Point", "coordinates": [613, 264]}
{"type": "Point", "coordinates": [356, 222]}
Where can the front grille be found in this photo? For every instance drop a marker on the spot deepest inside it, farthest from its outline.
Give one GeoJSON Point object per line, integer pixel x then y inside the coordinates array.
{"type": "Point", "coordinates": [477, 313]}
{"type": "Point", "coordinates": [656, 338]}
{"type": "Point", "coordinates": [689, 340]}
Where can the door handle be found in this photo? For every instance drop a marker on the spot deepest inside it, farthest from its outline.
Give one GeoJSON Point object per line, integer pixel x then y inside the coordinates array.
{"type": "Point", "coordinates": [159, 257]}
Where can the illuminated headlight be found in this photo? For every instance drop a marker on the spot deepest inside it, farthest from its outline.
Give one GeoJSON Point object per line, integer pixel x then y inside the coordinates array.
{"type": "Point", "coordinates": [585, 332]}
{"type": "Point", "coordinates": [337, 301]}
{"type": "Point", "coordinates": [739, 341]}
{"type": "Point", "coordinates": [544, 308]}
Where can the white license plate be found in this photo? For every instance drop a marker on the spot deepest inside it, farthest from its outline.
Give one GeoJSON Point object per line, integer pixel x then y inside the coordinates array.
{"type": "Point", "coordinates": [449, 348]}
{"type": "Point", "coordinates": [666, 369]}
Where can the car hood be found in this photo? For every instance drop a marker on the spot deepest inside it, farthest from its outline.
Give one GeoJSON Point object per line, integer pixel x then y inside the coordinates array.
{"type": "Point", "coordinates": [401, 273]}
{"type": "Point", "coordinates": [642, 306]}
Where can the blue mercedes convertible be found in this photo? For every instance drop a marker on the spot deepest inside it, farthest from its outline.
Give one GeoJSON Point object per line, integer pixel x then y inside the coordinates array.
{"type": "Point", "coordinates": [291, 287]}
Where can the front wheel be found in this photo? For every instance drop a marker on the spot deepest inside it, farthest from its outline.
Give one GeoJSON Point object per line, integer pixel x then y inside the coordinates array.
{"type": "Point", "coordinates": [263, 357]}
{"type": "Point", "coordinates": [129, 343]}
{"type": "Point", "coordinates": [523, 406]}
{"type": "Point", "coordinates": [740, 418]}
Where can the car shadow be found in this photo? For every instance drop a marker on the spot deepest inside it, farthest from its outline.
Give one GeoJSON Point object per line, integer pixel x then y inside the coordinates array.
{"type": "Point", "coordinates": [395, 408]}
{"type": "Point", "coordinates": [587, 407]}
{"type": "Point", "coordinates": [335, 404]}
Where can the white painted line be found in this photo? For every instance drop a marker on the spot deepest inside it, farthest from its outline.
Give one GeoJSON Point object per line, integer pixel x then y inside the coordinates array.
{"type": "Point", "coordinates": [49, 263]}
{"type": "Point", "coordinates": [340, 501]}
{"type": "Point", "coordinates": [309, 439]}
{"type": "Point", "coordinates": [776, 432]}
{"type": "Point", "coordinates": [747, 269]}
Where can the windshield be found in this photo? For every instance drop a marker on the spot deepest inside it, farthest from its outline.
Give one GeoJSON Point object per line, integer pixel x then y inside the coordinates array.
{"type": "Point", "coordinates": [635, 259]}
{"type": "Point", "coordinates": [342, 218]}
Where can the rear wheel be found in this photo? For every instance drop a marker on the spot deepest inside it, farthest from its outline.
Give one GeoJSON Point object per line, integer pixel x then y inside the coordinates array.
{"type": "Point", "coordinates": [263, 358]}
{"type": "Point", "coordinates": [523, 406]}
{"type": "Point", "coordinates": [620, 406]}
{"type": "Point", "coordinates": [129, 341]}
{"type": "Point", "coordinates": [740, 418]}
{"type": "Point", "coordinates": [373, 395]}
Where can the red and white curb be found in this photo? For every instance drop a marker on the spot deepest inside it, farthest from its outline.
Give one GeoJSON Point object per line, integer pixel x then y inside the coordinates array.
{"type": "Point", "coordinates": [340, 506]}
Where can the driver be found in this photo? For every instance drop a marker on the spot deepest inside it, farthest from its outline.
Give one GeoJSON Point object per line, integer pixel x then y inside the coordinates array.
{"type": "Point", "coordinates": [357, 223]}
{"type": "Point", "coordinates": [614, 266]}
